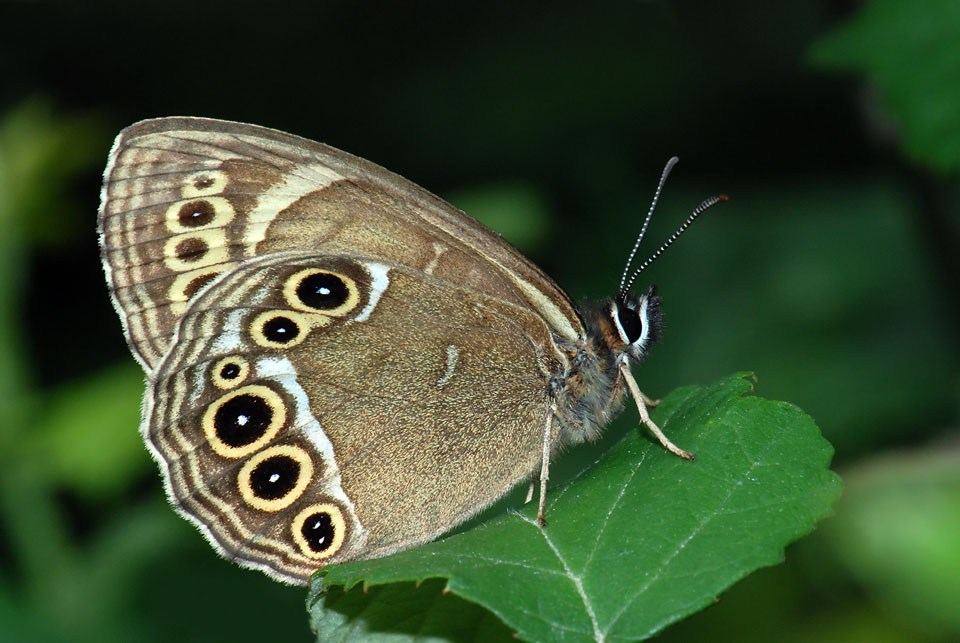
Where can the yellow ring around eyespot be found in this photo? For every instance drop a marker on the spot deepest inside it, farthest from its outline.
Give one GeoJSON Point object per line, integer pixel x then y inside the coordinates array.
{"type": "Point", "coordinates": [290, 292]}
{"type": "Point", "coordinates": [177, 293]}
{"type": "Point", "coordinates": [217, 183]}
{"type": "Point", "coordinates": [214, 241]}
{"type": "Point", "coordinates": [302, 321]}
{"type": "Point", "coordinates": [339, 530]}
{"type": "Point", "coordinates": [273, 400]}
{"type": "Point", "coordinates": [303, 478]}
{"type": "Point", "coordinates": [223, 213]}
{"type": "Point", "coordinates": [225, 384]}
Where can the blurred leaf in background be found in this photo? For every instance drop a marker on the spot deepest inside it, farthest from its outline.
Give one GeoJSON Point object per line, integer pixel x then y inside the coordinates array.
{"type": "Point", "coordinates": [898, 524]}
{"type": "Point", "coordinates": [897, 531]}
{"type": "Point", "coordinates": [909, 52]}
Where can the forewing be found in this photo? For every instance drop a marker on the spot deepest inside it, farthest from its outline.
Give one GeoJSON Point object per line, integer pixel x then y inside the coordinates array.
{"type": "Point", "coordinates": [186, 199]}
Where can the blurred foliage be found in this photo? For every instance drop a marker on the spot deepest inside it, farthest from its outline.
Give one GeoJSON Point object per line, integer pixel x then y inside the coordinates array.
{"type": "Point", "coordinates": [910, 54]}
{"type": "Point", "coordinates": [897, 532]}
{"type": "Point", "coordinates": [832, 272]}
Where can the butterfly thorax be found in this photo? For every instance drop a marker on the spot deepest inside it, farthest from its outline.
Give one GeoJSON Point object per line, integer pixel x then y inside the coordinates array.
{"type": "Point", "coordinates": [592, 392]}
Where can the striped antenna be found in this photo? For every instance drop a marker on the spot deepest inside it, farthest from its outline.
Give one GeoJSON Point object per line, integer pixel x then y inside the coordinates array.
{"type": "Point", "coordinates": [700, 209]}
{"type": "Point", "coordinates": [643, 230]}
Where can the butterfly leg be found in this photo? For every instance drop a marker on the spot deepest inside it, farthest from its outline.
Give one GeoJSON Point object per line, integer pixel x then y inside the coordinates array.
{"type": "Point", "coordinates": [648, 401]}
{"type": "Point", "coordinates": [545, 468]}
{"type": "Point", "coordinates": [641, 400]}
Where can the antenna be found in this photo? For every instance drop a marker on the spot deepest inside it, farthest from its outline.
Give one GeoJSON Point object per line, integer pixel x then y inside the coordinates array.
{"type": "Point", "coordinates": [643, 230]}
{"type": "Point", "coordinates": [700, 209]}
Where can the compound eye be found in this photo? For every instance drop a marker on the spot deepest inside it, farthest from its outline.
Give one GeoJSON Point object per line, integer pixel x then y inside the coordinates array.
{"type": "Point", "coordinates": [630, 322]}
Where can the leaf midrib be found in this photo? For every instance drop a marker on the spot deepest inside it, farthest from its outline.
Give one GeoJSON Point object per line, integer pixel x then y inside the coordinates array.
{"type": "Point", "coordinates": [576, 580]}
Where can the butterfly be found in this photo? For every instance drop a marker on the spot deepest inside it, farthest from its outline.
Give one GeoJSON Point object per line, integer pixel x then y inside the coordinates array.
{"type": "Point", "coordinates": [339, 364]}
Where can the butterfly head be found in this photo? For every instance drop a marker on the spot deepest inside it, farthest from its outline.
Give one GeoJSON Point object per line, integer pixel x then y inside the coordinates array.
{"type": "Point", "coordinates": [634, 322]}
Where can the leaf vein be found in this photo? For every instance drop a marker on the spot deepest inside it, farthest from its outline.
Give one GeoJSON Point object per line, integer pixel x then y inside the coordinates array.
{"type": "Point", "coordinates": [680, 547]}
{"type": "Point", "coordinates": [576, 580]}
{"type": "Point", "coordinates": [613, 507]}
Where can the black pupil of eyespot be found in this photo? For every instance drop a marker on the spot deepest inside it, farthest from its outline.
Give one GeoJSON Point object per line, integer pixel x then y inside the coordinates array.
{"type": "Point", "coordinates": [275, 477]}
{"type": "Point", "coordinates": [630, 322]}
{"type": "Point", "coordinates": [318, 530]}
{"type": "Point", "coordinates": [322, 291]}
{"type": "Point", "coordinates": [196, 214]}
{"type": "Point", "coordinates": [281, 330]}
{"type": "Point", "coordinates": [242, 420]}
{"type": "Point", "coordinates": [230, 371]}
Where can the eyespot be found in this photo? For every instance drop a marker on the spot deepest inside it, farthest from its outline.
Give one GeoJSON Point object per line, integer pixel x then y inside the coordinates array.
{"type": "Point", "coordinates": [195, 250]}
{"type": "Point", "coordinates": [274, 478]}
{"type": "Point", "coordinates": [198, 214]}
{"type": "Point", "coordinates": [319, 530]}
{"type": "Point", "coordinates": [321, 291]}
{"type": "Point", "coordinates": [195, 285]}
{"type": "Point", "coordinates": [281, 328]}
{"type": "Point", "coordinates": [190, 249]}
{"type": "Point", "coordinates": [229, 372]}
{"type": "Point", "coordinates": [203, 183]}
{"type": "Point", "coordinates": [243, 421]}
{"type": "Point", "coordinates": [188, 284]}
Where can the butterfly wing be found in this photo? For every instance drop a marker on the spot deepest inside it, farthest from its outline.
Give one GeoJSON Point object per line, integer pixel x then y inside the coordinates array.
{"type": "Point", "coordinates": [185, 199]}
{"type": "Point", "coordinates": [317, 408]}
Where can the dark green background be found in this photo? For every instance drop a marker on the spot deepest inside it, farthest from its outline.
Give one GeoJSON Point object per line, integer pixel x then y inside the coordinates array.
{"type": "Point", "coordinates": [832, 272]}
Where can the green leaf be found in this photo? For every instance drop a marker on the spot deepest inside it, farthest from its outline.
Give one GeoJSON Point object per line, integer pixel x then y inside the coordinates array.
{"type": "Point", "coordinates": [642, 538]}
{"type": "Point", "coordinates": [909, 51]}
{"type": "Point", "coordinates": [403, 612]}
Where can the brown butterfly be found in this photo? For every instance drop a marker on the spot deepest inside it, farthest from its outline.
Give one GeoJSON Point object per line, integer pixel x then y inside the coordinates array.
{"type": "Point", "coordinates": [340, 364]}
